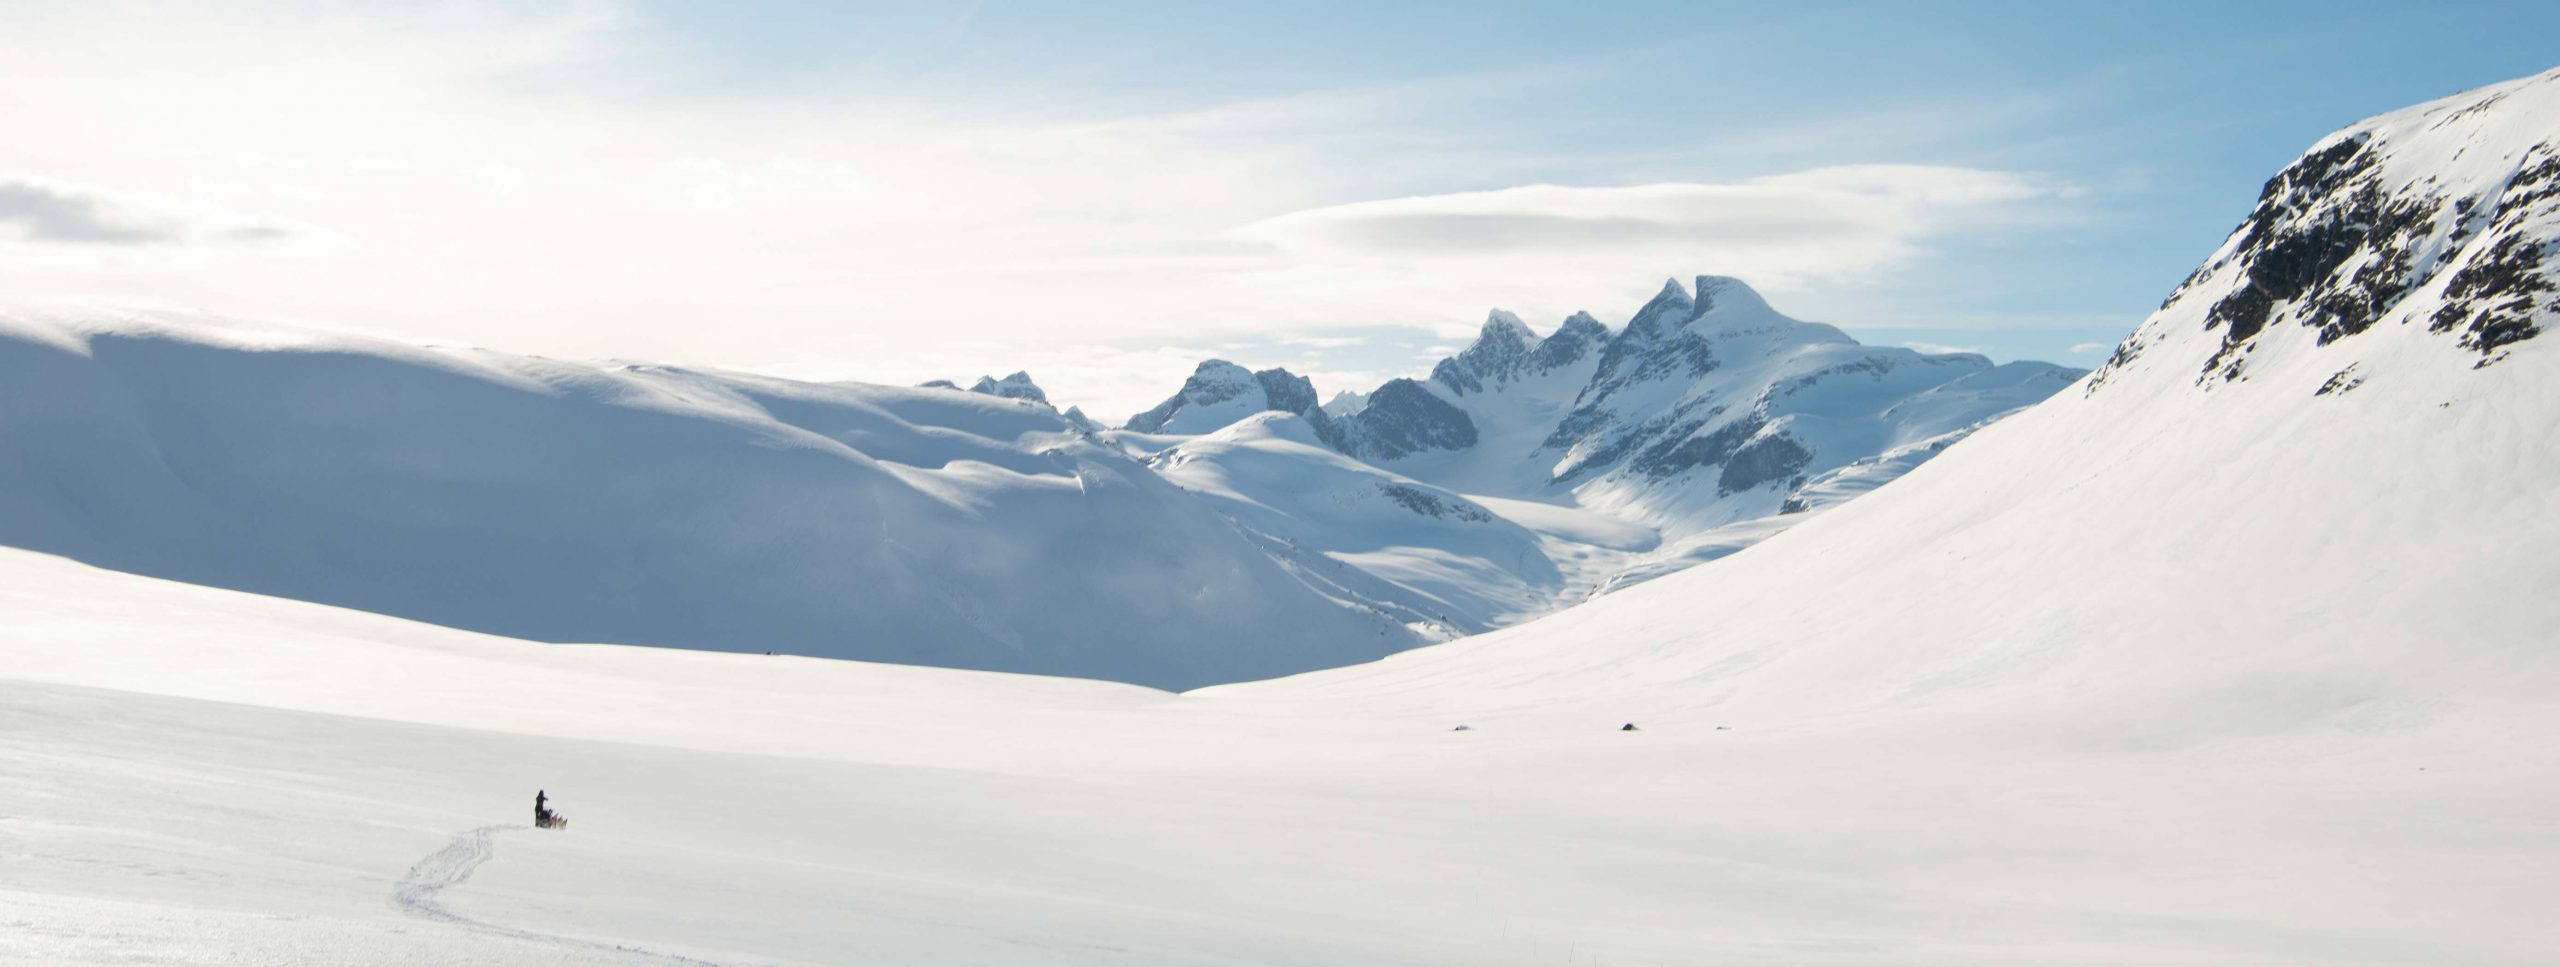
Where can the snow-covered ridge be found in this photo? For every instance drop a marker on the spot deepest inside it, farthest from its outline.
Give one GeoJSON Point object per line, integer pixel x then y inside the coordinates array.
{"type": "Point", "coordinates": [643, 504]}
{"type": "Point", "coordinates": [1707, 408]}
{"type": "Point", "coordinates": [1706, 423]}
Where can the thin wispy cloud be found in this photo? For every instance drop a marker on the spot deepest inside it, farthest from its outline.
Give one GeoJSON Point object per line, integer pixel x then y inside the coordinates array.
{"type": "Point", "coordinates": [41, 212]}
{"type": "Point", "coordinates": [1825, 223]}
{"type": "Point", "coordinates": [51, 212]}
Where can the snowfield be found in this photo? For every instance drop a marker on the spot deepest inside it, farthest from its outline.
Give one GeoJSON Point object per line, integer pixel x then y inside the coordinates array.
{"type": "Point", "coordinates": [198, 776]}
{"type": "Point", "coordinates": [2238, 651]}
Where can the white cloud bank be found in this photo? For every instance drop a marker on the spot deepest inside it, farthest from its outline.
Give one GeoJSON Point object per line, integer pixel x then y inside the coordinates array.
{"type": "Point", "coordinates": [507, 179]}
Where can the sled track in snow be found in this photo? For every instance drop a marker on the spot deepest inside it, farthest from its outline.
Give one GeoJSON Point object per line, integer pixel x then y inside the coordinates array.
{"type": "Point", "coordinates": [416, 895]}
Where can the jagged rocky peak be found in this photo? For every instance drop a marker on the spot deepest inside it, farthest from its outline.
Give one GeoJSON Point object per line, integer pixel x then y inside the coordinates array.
{"type": "Point", "coordinates": [1578, 336]}
{"type": "Point", "coordinates": [1286, 391]}
{"type": "Point", "coordinates": [1220, 393]}
{"type": "Point", "coordinates": [1344, 403]}
{"type": "Point", "coordinates": [1216, 381]}
{"type": "Point", "coordinates": [1403, 417]}
{"type": "Point", "coordinates": [1213, 382]}
{"type": "Point", "coordinates": [2432, 224]}
{"type": "Point", "coordinates": [1506, 349]}
{"type": "Point", "coordinates": [1084, 424]}
{"type": "Point", "coordinates": [1667, 310]}
{"type": "Point", "coordinates": [1015, 387]}
{"type": "Point", "coordinates": [1503, 336]}
{"type": "Point", "coordinates": [1498, 352]}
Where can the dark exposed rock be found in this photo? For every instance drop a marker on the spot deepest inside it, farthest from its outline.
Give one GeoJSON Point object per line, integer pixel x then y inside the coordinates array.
{"type": "Point", "coordinates": [1684, 448]}
{"type": "Point", "coordinates": [1499, 353]}
{"type": "Point", "coordinates": [1430, 504]}
{"type": "Point", "coordinates": [1403, 418]}
{"type": "Point", "coordinates": [2340, 382]}
{"type": "Point", "coordinates": [1578, 338]}
{"type": "Point", "coordinates": [2490, 300]}
{"type": "Point", "coordinates": [1285, 391]}
{"type": "Point", "coordinates": [1213, 381]}
{"type": "Point", "coordinates": [2332, 247]}
{"type": "Point", "coordinates": [1015, 387]}
{"type": "Point", "coordinates": [2336, 190]}
{"type": "Point", "coordinates": [1768, 459]}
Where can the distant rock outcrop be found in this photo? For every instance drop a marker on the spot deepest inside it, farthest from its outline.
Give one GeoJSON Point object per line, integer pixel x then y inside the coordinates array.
{"type": "Point", "coordinates": [1220, 393]}
{"type": "Point", "coordinates": [1015, 387]}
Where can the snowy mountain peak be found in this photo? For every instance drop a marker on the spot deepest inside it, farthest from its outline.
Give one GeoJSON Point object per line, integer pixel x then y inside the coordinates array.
{"type": "Point", "coordinates": [1724, 293]}
{"type": "Point", "coordinates": [1215, 383]}
{"type": "Point", "coordinates": [2420, 237]}
{"type": "Point", "coordinates": [1221, 392]}
{"type": "Point", "coordinates": [1216, 380]}
{"type": "Point", "coordinates": [1505, 334]}
{"type": "Point", "coordinates": [1015, 387]}
{"type": "Point", "coordinates": [1345, 402]}
{"type": "Point", "coordinates": [1501, 351]}
{"type": "Point", "coordinates": [1405, 417]}
{"type": "Point", "coordinates": [1577, 338]}
{"type": "Point", "coordinates": [1285, 391]}
{"type": "Point", "coordinates": [1668, 308]}
{"type": "Point", "coordinates": [1714, 408]}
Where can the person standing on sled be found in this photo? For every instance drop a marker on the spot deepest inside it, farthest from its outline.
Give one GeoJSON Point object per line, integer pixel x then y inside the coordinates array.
{"type": "Point", "coordinates": [541, 813]}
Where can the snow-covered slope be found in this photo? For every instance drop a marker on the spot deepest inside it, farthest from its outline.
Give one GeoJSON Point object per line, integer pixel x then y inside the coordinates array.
{"type": "Point", "coordinates": [2313, 495]}
{"type": "Point", "coordinates": [194, 775]}
{"type": "Point", "coordinates": [640, 504]}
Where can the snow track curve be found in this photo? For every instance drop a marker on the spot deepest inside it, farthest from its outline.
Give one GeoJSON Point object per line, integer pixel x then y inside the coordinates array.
{"type": "Point", "coordinates": [417, 891]}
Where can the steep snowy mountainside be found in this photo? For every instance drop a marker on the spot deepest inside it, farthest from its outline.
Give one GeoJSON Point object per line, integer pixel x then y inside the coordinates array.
{"type": "Point", "coordinates": [2179, 555]}
{"type": "Point", "coordinates": [640, 504]}
{"type": "Point", "coordinates": [2438, 218]}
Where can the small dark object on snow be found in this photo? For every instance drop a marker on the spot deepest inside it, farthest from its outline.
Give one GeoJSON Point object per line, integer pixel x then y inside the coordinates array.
{"type": "Point", "coordinates": [1629, 727]}
{"type": "Point", "coordinates": [1463, 728]}
{"type": "Point", "coordinates": [543, 816]}
{"type": "Point", "coordinates": [1724, 728]}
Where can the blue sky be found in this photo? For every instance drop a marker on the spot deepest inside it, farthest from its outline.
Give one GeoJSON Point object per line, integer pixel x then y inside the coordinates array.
{"type": "Point", "coordinates": [1104, 192]}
